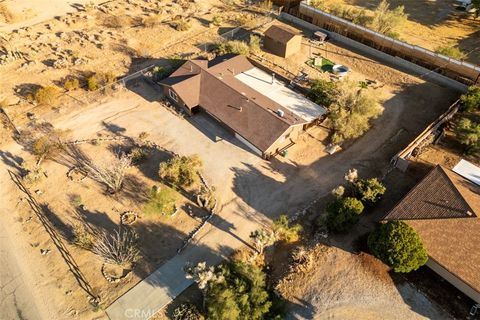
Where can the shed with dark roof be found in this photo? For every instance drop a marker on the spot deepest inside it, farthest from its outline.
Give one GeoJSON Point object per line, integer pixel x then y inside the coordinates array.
{"type": "Point", "coordinates": [444, 209]}
{"type": "Point", "coordinates": [282, 41]}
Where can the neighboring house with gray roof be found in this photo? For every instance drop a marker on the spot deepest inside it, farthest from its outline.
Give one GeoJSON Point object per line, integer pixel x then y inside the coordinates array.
{"type": "Point", "coordinates": [444, 208]}
{"type": "Point", "coordinates": [260, 110]}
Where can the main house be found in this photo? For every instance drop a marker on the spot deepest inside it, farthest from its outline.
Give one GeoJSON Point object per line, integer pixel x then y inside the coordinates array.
{"type": "Point", "coordinates": [260, 110]}
{"type": "Point", "coordinates": [444, 209]}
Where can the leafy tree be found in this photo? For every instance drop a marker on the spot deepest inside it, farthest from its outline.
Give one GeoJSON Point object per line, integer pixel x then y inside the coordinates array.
{"type": "Point", "coordinates": [471, 100]}
{"type": "Point", "coordinates": [388, 21]}
{"type": "Point", "coordinates": [351, 111]}
{"type": "Point", "coordinates": [161, 201]}
{"type": "Point", "coordinates": [284, 231]}
{"type": "Point", "coordinates": [468, 134]}
{"type": "Point", "coordinates": [323, 92]}
{"type": "Point", "coordinates": [343, 213]}
{"type": "Point", "coordinates": [369, 190]}
{"type": "Point", "coordinates": [181, 171]}
{"type": "Point", "coordinates": [451, 51]}
{"type": "Point", "coordinates": [398, 245]}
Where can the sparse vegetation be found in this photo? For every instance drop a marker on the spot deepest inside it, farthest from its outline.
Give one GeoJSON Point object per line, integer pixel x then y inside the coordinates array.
{"type": "Point", "coordinates": [98, 80]}
{"type": "Point", "coordinates": [254, 44]}
{"type": "Point", "coordinates": [117, 21]}
{"type": "Point", "coordinates": [161, 202]}
{"type": "Point", "coordinates": [111, 173]}
{"type": "Point", "coordinates": [451, 51]}
{"type": "Point", "coordinates": [233, 46]}
{"type": "Point", "coordinates": [153, 20]}
{"type": "Point", "coordinates": [81, 237]}
{"type": "Point", "coordinates": [92, 83]}
{"type": "Point", "coordinates": [247, 20]}
{"type": "Point", "coordinates": [284, 231]}
{"type": "Point", "coordinates": [217, 20]}
{"type": "Point", "coordinates": [138, 154]}
{"type": "Point", "coordinates": [181, 25]}
{"type": "Point", "coordinates": [471, 100]}
{"type": "Point", "coordinates": [71, 84]}
{"type": "Point", "coordinates": [118, 247]}
{"type": "Point", "coordinates": [398, 245]}
{"type": "Point", "coordinates": [467, 133]}
{"type": "Point", "coordinates": [181, 171]}
{"type": "Point", "coordinates": [388, 21]}
{"type": "Point", "coordinates": [49, 145]}
{"type": "Point", "coordinates": [47, 95]}
{"type": "Point", "coordinates": [344, 213]}
{"type": "Point", "coordinates": [187, 312]}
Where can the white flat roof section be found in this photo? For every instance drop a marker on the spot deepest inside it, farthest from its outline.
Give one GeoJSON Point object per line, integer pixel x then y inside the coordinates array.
{"type": "Point", "coordinates": [468, 170]}
{"type": "Point", "coordinates": [261, 82]}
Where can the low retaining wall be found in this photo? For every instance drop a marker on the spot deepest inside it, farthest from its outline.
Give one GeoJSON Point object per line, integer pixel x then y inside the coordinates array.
{"type": "Point", "coordinates": [394, 61]}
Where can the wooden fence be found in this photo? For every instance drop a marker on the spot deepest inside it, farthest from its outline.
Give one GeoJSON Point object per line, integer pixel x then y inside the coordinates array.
{"type": "Point", "coordinates": [461, 71]}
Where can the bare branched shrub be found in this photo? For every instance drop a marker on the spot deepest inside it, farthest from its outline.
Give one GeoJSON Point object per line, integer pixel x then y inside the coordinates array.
{"type": "Point", "coordinates": [111, 173]}
{"type": "Point", "coordinates": [119, 247]}
{"type": "Point", "coordinates": [49, 145]}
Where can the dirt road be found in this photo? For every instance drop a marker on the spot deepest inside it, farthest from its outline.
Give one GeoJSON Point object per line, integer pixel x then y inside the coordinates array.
{"type": "Point", "coordinates": [16, 299]}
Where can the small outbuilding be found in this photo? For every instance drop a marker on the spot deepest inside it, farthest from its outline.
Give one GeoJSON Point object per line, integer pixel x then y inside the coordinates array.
{"type": "Point", "coordinates": [282, 41]}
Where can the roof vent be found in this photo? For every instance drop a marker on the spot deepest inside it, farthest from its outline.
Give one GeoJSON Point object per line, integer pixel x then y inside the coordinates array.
{"type": "Point", "coordinates": [280, 113]}
{"type": "Point", "coordinates": [469, 213]}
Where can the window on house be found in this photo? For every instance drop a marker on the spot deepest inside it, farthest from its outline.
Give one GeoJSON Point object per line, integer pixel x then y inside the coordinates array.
{"type": "Point", "coordinates": [173, 95]}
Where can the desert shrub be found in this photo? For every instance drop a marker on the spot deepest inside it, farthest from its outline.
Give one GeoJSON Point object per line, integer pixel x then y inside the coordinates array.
{"type": "Point", "coordinates": [181, 170]}
{"type": "Point", "coordinates": [81, 237]}
{"type": "Point", "coordinates": [369, 190]}
{"type": "Point", "coordinates": [49, 145]}
{"type": "Point", "coordinates": [161, 202]}
{"type": "Point", "coordinates": [471, 100]}
{"type": "Point", "coordinates": [451, 51]}
{"type": "Point", "coordinates": [266, 5]}
{"type": "Point", "coordinates": [118, 247]}
{"type": "Point", "coordinates": [262, 238]}
{"type": "Point", "coordinates": [467, 133]}
{"type": "Point", "coordinates": [398, 245]}
{"type": "Point", "coordinates": [388, 21]}
{"type": "Point", "coordinates": [76, 200]}
{"type": "Point", "coordinates": [323, 92]}
{"type": "Point", "coordinates": [234, 291]}
{"type": "Point", "coordinates": [47, 95]}
{"type": "Point", "coordinates": [117, 21]}
{"type": "Point", "coordinates": [111, 173]}
{"type": "Point", "coordinates": [254, 44]}
{"type": "Point", "coordinates": [71, 84]}
{"type": "Point", "coordinates": [152, 20]}
{"type": "Point", "coordinates": [343, 213]}
{"type": "Point", "coordinates": [283, 231]}
{"type": "Point", "coordinates": [351, 111]}
{"type": "Point", "coordinates": [138, 155]}
{"type": "Point", "coordinates": [217, 20]}
{"type": "Point", "coordinates": [181, 25]}
{"type": "Point", "coordinates": [187, 312]}
{"type": "Point", "coordinates": [246, 20]}
{"type": "Point", "coordinates": [319, 4]}
{"type": "Point", "coordinates": [92, 83]}
{"type": "Point", "coordinates": [32, 174]}
{"type": "Point", "coordinates": [233, 46]}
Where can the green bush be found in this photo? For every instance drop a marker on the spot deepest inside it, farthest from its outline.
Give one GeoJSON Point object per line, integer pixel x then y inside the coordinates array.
{"type": "Point", "coordinates": [343, 213]}
{"type": "Point", "coordinates": [234, 46]}
{"type": "Point", "coordinates": [92, 83]}
{"type": "Point", "coordinates": [323, 92]}
{"type": "Point", "coordinates": [47, 95]}
{"type": "Point", "coordinates": [451, 51]}
{"type": "Point", "coordinates": [467, 133]}
{"type": "Point", "coordinates": [369, 190]}
{"type": "Point", "coordinates": [398, 245]}
{"type": "Point", "coordinates": [241, 294]}
{"type": "Point", "coordinates": [217, 20]}
{"type": "Point", "coordinates": [181, 171]}
{"type": "Point", "coordinates": [284, 231]}
{"type": "Point", "coordinates": [471, 100]}
{"type": "Point", "coordinates": [161, 202]}
{"type": "Point", "coordinates": [71, 84]}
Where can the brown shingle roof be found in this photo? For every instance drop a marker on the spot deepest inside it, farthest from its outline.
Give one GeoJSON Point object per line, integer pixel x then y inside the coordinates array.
{"type": "Point", "coordinates": [281, 33]}
{"type": "Point", "coordinates": [213, 86]}
{"type": "Point", "coordinates": [437, 208]}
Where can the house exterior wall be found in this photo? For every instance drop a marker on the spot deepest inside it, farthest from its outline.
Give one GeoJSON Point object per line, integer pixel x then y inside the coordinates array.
{"type": "Point", "coordinates": [291, 134]}
{"type": "Point", "coordinates": [456, 282]}
{"type": "Point", "coordinates": [179, 103]}
{"type": "Point", "coordinates": [293, 46]}
{"type": "Point", "coordinates": [248, 144]}
{"type": "Point", "coordinates": [276, 47]}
